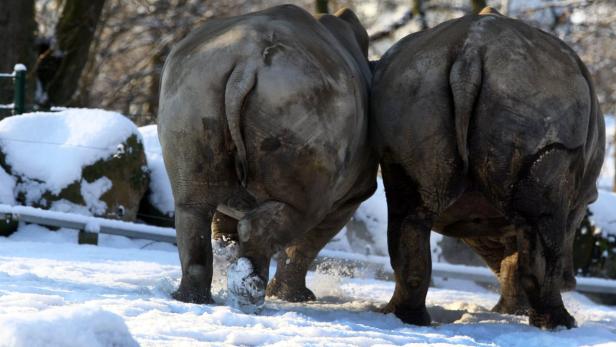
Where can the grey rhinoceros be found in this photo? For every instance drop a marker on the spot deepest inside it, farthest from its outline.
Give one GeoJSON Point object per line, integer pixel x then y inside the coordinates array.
{"type": "Point", "coordinates": [488, 130]}
{"type": "Point", "coordinates": [263, 117]}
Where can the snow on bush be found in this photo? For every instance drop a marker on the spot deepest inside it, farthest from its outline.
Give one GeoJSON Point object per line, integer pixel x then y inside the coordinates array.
{"type": "Point", "coordinates": [160, 195]}
{"type": "Point", "coordinates": [65, 326]}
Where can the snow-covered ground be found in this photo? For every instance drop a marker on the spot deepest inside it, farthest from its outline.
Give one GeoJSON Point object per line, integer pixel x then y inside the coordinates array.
{"type": "Point", "coordinates": [54, 292]}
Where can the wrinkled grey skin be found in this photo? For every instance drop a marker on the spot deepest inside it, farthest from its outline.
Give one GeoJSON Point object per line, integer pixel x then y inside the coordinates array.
{"type": "Point", "coordinates": [265, 115]}
{"type": "Point", "coordinates": [488, 130]}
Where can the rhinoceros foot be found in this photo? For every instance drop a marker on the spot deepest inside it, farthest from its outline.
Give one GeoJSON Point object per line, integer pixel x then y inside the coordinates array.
{"type": "Point", "coordinates": [192, 288]}
{"type": "Point", "coordinates": [419, 316]}
{"type": "Point", "coordinates": [225, 249]}
{"type": "Point", "coordinates": [246, 289]}
{"type": "Point", "coordinates": [518, 307]}
{"type": "Point", "coordinates": [551, 319]}
{"type": "Point", "coordinates": [192, 296]}
{"type": "Point", "coordinates": [283, 291]}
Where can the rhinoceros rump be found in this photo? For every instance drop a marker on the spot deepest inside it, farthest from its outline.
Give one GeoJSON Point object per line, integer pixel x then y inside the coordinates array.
{"type": "Point", "coordinates": [264, 117]}
{"type": "Point", "coordinates": [488, 130]}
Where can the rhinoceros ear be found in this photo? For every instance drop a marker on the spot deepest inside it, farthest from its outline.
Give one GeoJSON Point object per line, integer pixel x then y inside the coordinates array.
{"type": "Point", "coordinates": [361, 35]}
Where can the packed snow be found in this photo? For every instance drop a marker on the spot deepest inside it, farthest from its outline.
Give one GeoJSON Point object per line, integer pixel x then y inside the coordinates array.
{"type": "Point", "coordinates": [56, 293]}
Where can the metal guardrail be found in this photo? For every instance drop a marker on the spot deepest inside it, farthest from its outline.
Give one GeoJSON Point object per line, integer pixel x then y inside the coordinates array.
{"type": "Point", "coordinates": [95, 225]}
{"type": "Point", "coordinates": [471, 273]}
{"type": "Point", "coordinates": [19, 96]}
{"type": "Point", "coordinates": [87, 224]}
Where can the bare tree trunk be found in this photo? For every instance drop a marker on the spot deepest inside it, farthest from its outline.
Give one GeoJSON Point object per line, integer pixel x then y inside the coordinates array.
{"type": "Point", "coordinates": [321, 6]}
{"type": "Point", "coordinates": [478, 5]}
{"type": "Point", "coordinates": [17, 34]}
{"type": "Point", "coordinates": [418, 11]}
{"type": "Point", "coordinates": [74, 32]}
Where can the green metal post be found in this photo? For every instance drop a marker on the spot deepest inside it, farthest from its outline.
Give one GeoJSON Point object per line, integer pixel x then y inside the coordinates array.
{"type": "Point", "coordinates": [19, 98]}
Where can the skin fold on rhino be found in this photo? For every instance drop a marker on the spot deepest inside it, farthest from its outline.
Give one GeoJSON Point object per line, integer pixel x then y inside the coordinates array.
{"type": "Point", "coordinates": [488, 130]}
{"type": "Point", "coordinates": [263, 117]}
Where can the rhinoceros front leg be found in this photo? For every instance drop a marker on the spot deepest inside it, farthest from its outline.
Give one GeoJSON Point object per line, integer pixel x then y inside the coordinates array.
{"type": "Point", "coordinates": [261, 232]}
{"type": "Point", "coordinates": [513, 298]}
{"type": "Point", "coordinates": [193, 225]}
{"type": "Point", "coordinates": [501, 256]}
{"type": "Point", "coordinates": [224, 237]}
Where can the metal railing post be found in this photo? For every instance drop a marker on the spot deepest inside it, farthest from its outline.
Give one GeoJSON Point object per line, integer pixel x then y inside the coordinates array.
{"type": "Point", "coordinates": [19, 98]}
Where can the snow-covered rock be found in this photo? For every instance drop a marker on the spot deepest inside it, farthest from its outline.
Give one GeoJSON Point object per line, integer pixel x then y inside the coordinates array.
{"type": "Point", "coordinates": [76, 160]}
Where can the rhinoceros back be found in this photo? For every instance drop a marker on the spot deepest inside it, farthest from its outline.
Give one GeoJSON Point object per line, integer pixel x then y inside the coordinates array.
{"type": "Point", "coordinates": [532, 94]}
{"type": "Point", "coordinates": [273, 86]}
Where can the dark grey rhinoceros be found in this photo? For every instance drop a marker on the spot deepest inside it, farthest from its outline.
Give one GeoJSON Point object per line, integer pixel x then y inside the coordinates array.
{"type": "Point", "coordinates": [263, 117]}
{"type": "Point", "coordinates": [488, 130]}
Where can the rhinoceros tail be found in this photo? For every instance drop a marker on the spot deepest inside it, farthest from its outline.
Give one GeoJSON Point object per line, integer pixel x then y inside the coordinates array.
{"type": "Point", "coordinates": [465, 81]}
{"type": "Point", "coordinates": [241, 81]}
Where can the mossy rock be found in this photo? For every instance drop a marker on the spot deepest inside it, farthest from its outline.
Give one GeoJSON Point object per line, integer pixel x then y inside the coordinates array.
{"type": "Point", "coordinates": [122, 176]}
{"type": "Point", "coordinates": [127, 170]}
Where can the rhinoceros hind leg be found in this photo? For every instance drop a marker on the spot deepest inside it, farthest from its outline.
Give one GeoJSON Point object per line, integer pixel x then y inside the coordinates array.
{"type": "Point", "coordinates": [246, 288]}
{"type": "Point", "coordinates": [408, 240]}
{"type": "Point", "coordinates": [409, 315]}
{"type": "Point", "coordinates": [192, 288]}
{"type": "Point", "coordinates": [542, 200]}
{"type": "Point", "coordinates": [289, 283]}
{"type": "Point", "coordinates": [261, 232]}
{"type": "Point", "coordinates": [193, 239]}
